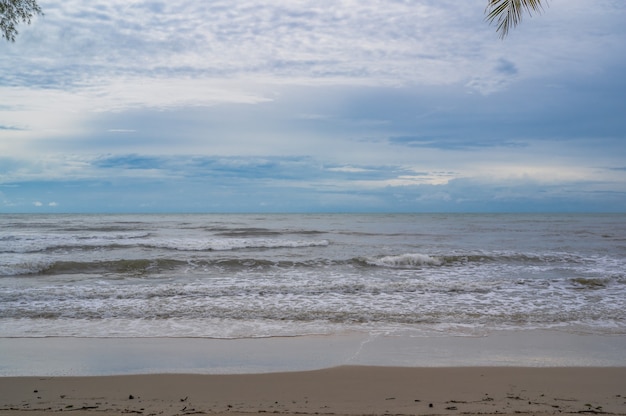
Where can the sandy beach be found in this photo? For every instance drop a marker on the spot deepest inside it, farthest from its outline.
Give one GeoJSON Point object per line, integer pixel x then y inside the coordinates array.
{"type": "Point", "coordinates": [346, 390]}
{"type": "Point", "coordinates": [508, 373]}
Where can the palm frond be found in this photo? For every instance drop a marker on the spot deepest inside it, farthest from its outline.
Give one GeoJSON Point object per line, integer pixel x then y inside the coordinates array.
{"type": "Point", "coordinates": [12, 12]}
{"type": "Point", "coordinates": [508, 13]}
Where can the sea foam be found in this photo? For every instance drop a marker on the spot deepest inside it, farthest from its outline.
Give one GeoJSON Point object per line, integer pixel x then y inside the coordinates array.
{"type": "Point", "coordinates": [407, 260]}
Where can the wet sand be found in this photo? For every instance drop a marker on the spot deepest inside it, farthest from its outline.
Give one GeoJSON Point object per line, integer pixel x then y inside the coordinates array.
{"type": "Point", "coordinates": [345, 390]}
{"type": "Point", "coordinates": [118, 356]}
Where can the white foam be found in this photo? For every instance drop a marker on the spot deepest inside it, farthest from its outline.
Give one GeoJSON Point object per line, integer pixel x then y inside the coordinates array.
{"type": "Point", "coordinates": [225, 244]}
{"type": "Point", "coordinates": [14, 264]}
{"type": "Point", "coordinates": [30, 243]}
{"type": "Point", "coordinates": [406, 260]}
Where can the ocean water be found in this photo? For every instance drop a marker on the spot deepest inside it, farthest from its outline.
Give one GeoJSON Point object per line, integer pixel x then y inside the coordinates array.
{"type": "Point", "coordinates": [249, 276]}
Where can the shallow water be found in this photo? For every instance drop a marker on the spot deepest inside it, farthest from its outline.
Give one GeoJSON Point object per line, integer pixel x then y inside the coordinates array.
{"type": "Point", "coordinates": [109, 356]}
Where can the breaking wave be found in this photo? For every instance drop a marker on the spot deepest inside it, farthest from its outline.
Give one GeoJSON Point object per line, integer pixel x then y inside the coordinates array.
{"type": "Point", "coordinates": [406, 261]}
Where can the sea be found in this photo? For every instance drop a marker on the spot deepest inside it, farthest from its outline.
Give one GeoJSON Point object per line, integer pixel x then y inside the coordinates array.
{"type": "Point", "coordinates": [234, 276]}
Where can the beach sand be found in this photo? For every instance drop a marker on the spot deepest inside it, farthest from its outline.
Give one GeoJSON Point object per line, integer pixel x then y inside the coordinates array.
{"type": "Point", "coordinates": [345, 390]}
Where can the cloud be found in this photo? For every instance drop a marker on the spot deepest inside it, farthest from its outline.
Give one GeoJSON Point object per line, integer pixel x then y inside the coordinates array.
{"type": "Point", "coordinates": [223, 184]}
{"type": "Point", "coordinates": [497, 78]}
{"type": "Point", "coordinates": [369, 105]}
{"type": "Point", "coordinates": [348, 169]}
{"type": "Point", "coordinates": [446, 143]}
{"type": "Point", "coordinates": [77, 45]}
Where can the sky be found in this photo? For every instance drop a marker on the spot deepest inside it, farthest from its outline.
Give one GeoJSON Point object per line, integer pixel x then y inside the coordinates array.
{"type": "Point", "coordinates": [313, 106]}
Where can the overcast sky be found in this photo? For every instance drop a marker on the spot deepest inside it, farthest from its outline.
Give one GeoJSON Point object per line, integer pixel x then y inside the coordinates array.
{"type": "Point", "coordinates": [313, 105]}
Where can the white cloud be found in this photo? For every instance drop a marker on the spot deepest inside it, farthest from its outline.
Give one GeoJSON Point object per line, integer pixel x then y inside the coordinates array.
{"type": "Point", "coordinates": [161, 93]}
{"type": "Point", "coordinates": [348, 169]}
{"type": "Point", "coordinates": [405, 180]}
{"type": "Point", "coordinates": [392, 42]}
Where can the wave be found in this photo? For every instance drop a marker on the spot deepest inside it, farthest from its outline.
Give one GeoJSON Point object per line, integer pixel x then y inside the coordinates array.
{"type": "Point", "coordinates": [26, 264]}
{"type": "Point", "coordinates": [419, 260]}
{"type": "Point", "coordinates": [155, 266]}
{"type": "Point", "coordinates": [226, 244]}
{"type": "Point", "coordinates": [552, 263]}
{"type": "Point", "coordinates": [30, 244]}
{"type": "Point", "coordinates": [260, 232]}
{"type": "Point", "coordinates": [145, 266]}
{"type": "Point", "coordinates": [408, 260]}
{"type": "Point", "coordinates": [128, 267]}
{"type": "Point", "coordinates": [592, 282]}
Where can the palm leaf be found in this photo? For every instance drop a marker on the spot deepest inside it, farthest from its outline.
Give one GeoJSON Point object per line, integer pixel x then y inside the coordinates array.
{"type": "Point", "coordinates": [12, 12]}
{"type": "Point", "coordinates": [508, 13]}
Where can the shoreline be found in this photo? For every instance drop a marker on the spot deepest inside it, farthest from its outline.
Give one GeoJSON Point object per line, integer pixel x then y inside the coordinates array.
{"type": "Point", "coordinates": [124, 356]}
{"type": "Point", "coordinates": [506, 373]}
{"type": "Point", "coordinates": [345, 390]}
